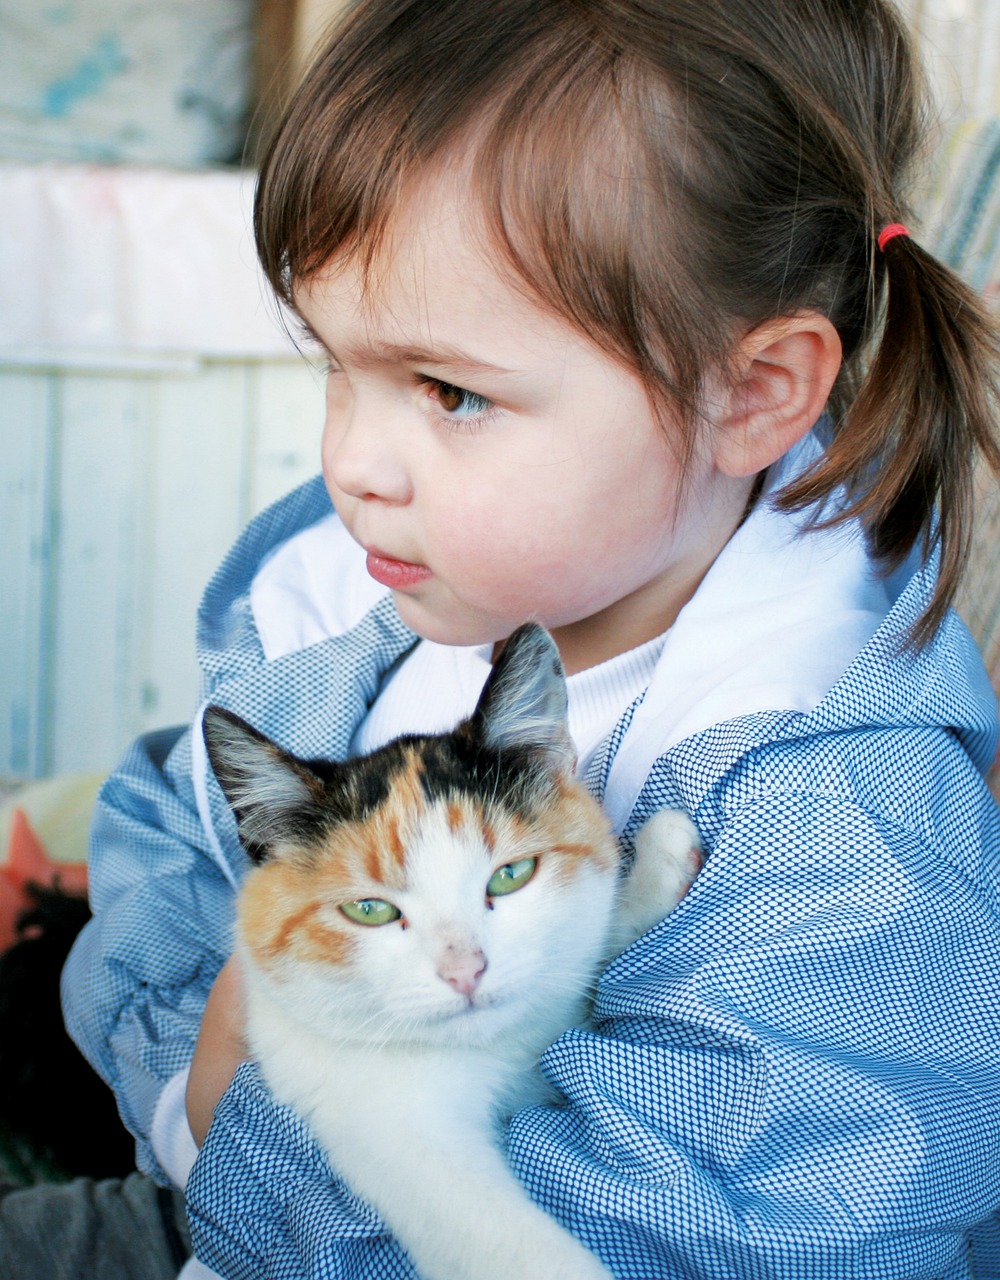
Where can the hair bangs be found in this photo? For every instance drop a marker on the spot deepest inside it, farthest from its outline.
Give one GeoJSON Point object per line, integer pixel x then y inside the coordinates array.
{"type": "Point", "coordinates": [580, 200]}
{"type": "Point", "coordinates": [549, 116]}
{"type": "Point", "coordinates": [398, 87]}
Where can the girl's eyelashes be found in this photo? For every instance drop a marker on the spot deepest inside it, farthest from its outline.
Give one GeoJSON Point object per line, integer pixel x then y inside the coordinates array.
{"type": "Point", "coordinates": [312, 346]}
{"type": "Point", "coordinates": [459, 406]}
{"type": "Point", "coordinates": [307, 340]}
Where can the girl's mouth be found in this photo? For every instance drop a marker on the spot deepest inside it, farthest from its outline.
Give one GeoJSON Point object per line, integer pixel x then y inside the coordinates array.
{"type": "Point", "coordinates": [395, 574]}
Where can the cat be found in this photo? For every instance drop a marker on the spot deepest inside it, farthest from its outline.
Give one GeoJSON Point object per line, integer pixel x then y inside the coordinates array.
{"type": "Point", "coordinates": [420, 925]}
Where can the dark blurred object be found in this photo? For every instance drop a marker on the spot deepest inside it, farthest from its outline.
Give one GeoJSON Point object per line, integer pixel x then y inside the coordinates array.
{"type": "Point", "coordinates": [273, 75]}
{"type": "Point", "coordinates": [57, 1117]}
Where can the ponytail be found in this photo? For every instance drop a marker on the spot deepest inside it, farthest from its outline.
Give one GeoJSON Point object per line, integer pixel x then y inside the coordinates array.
{"type": "Point", "coordinates": [906, 449]}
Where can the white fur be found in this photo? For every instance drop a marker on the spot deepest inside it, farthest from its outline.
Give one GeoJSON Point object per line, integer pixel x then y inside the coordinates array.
{"type": "Point", "coordinates": [405, 1081]}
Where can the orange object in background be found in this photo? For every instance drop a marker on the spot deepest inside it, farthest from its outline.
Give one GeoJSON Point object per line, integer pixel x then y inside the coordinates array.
{"type": "Point", "coordinates": [28, 863]}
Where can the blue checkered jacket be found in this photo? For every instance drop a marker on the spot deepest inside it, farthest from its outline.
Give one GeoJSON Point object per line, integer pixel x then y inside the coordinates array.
{"type": "Point", "coordinates": [797, 1074]}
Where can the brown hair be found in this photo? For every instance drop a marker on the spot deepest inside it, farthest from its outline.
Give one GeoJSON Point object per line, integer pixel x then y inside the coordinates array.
{"type": "Point", "coordinates": [667, 174]}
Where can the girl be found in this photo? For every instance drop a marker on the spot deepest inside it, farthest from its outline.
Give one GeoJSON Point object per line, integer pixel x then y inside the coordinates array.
{"type": "Point", "coordinates": [624, 335]}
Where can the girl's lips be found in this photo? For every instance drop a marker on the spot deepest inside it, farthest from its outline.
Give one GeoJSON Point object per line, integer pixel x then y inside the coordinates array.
{"type": "Point", "coordinates": [395, 573]}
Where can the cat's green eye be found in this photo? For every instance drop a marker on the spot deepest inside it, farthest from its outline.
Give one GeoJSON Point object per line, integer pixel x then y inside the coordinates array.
{"type": "Point", "coordinates": [511, 877]}
{"type": "Point", "coordinates": [370, 911]}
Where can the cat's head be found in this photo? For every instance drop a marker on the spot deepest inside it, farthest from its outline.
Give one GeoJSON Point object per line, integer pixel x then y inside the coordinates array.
{"type": "Point", "coordinates": [444, 887]}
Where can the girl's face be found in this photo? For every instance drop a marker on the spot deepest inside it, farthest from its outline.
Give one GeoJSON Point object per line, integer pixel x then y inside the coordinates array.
{"type": "Point", "coordinates": [496, 465]}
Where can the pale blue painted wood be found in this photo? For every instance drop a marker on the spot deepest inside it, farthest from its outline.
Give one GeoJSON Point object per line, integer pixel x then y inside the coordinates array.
{"type": "Point", "coordinates": [288, 405]}
{"type": "Point", "coordinates": [102, 546]}
{"type": "Point", "coordinates": [201, 440]}
{"type": "Point", "coordinates": [120, 494]}
{"type": "Point", "coordinates": [27, 449]}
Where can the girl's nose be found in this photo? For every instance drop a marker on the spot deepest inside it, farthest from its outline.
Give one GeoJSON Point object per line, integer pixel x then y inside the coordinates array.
{"type": "Point", "coordinates": [362, 459]}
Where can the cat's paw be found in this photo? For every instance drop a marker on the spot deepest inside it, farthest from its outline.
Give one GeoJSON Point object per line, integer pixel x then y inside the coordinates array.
{"type": "Point", "coordinates": [668, 855]}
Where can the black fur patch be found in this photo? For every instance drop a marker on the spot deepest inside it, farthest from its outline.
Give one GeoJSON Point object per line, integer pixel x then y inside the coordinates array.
{"type": "Point", "coordinates": [511, 749]}
{"type": "Point", "coordinates": [454, 765]}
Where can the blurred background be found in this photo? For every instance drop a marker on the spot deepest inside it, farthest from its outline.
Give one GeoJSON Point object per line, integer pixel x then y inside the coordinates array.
{"type": "Point", "coordinates": [150, 401]}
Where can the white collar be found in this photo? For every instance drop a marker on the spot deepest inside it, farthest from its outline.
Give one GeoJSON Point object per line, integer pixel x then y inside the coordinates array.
{"type": "Point", "coordinates": [310, 588]}
{"type": "Point", "coordinates": [437, 685]}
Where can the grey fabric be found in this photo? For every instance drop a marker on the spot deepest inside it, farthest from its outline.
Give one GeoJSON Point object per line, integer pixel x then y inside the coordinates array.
{"type": "Point", "coordinates": [114, 1229]}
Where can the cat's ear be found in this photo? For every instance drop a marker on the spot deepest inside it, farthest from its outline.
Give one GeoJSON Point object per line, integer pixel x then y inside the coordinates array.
{"type": "Point", "coordinates": [523, 703]}
{"type": "Point", "coordinates": [275, 796]}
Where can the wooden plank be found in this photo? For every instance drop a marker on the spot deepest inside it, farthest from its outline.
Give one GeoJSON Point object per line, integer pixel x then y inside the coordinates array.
{"type": "Point", "coordinates": [103, 531]}
{"type": "Point", "coordinates": [27, 427]}
{"type": "Point", "coordinates": [121, 494]}
{"type": "Point", "coordinates": [287, 420]}
{"type": "Point", "coordinates": [199, 450]}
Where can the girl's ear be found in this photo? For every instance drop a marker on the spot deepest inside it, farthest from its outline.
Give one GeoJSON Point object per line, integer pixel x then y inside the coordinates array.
{"type": "Point", "coordinates": [781, 380]}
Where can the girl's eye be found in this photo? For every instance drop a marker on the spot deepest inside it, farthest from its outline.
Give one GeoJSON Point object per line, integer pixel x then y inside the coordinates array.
{"type": "Point", "coordinates": [371, 911]}
{"type": "Point", "coordinates": [456, 402]}
{"type": "Point", "coordinates": [511, 877]}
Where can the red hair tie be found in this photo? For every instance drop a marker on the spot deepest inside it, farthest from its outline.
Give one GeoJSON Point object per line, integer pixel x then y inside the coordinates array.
{"type": "Point", "coordinates": [890, 232]}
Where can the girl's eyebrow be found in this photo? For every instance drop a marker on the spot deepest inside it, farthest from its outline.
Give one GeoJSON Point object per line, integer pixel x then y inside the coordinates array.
{"type": "Point", "coordinates": [381, 352]}
{"type": "Point", "coordinates": [443, 355]}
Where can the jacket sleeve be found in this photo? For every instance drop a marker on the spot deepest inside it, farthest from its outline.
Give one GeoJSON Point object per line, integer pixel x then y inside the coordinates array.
{"type": "Point", "coordinates": [794, 1075]}
{"type": "Point", "coordinates": [136, 982]}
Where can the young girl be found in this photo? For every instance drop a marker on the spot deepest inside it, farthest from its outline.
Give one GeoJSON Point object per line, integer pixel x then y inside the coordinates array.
{"type": "Point", "coordinates": [625, 336]}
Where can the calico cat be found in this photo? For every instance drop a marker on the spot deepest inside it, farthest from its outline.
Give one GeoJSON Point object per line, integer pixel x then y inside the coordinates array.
{"type": "Point", "coordinates": [421, 924]}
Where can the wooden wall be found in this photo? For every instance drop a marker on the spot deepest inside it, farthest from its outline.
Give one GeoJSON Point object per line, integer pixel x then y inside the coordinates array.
{"type": "Point", "coordinates": [120, 490]}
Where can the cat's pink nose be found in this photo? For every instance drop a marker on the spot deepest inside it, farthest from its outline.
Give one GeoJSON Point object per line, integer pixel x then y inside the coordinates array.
{"type": "Point", "coordinates": [462, 969]}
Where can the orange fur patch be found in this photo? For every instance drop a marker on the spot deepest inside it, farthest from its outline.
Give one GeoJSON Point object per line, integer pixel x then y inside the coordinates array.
{"type": "Point", "coordinates": [394, 845]}
{"type": "Point", "coordinates": [278, 914]}
{"type": "Point", "coordinates": [373, 847]}
{"type": "Point", "coordinates": [572, 830]}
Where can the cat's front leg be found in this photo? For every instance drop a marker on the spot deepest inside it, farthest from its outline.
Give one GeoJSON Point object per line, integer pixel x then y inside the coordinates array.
{"type": "Point", "coordinates": [415, 1137]}
{"type": "Point", "coordinates": [464, 1216]}
{"type": "Point", "coordinates": [668, 856]}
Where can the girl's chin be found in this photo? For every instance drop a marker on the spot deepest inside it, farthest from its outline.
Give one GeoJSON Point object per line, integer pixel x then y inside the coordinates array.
{"type": "Point", "coordinates": [420, 616]}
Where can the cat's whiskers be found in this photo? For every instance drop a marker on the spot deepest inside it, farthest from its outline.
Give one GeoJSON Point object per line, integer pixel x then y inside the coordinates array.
{"type": "Point", "coordinates": [378, 1034]}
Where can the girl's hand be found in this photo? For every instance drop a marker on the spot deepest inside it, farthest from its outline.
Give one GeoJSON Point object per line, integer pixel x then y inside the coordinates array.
{"type": "Point", "coordinates": [220, 1049]}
